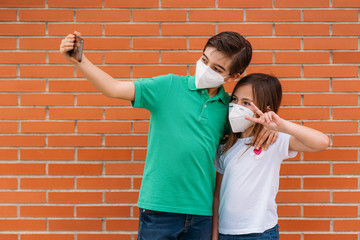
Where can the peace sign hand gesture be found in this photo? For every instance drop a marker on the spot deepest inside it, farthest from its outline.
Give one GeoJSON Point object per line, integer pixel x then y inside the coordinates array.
{"type": "Point", "coordinates": [269, 120]}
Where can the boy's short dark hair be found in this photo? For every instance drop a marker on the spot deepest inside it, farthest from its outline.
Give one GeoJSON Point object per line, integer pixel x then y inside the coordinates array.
{"type": "Point", "coordinates": [235, 46]}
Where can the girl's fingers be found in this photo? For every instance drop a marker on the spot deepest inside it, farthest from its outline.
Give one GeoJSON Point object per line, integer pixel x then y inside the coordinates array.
{"type": "Point", "coordinates": [260, 113]}
{"type": "Point", "coordinates": [255, 120]}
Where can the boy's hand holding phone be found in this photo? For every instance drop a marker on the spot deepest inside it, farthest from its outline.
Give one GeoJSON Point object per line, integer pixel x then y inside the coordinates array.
{"type": "Point", "coordinates": [71, 47]}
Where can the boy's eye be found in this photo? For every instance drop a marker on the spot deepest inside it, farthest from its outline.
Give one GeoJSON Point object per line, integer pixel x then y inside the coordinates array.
{"type": "Point", "coordinates": [204, 60]}
{"type": "Point", "coordinates": [234, 99]}
{"type": "Point", "coordinates": [217, 70]}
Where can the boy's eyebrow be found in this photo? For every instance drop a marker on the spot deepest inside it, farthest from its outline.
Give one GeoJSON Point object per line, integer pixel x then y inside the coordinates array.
{"type": "Point", "coordinates": [215, 64]}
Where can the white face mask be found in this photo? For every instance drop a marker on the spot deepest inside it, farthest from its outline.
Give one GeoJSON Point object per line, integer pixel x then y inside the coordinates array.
{"type": "Point", "coordinates": [205, 77]}
{"type": "Point", "coordinates": [237, 119]}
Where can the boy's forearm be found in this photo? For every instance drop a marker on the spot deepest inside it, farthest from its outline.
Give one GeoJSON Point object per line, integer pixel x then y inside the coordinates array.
{"type": "Point", "coordinates": [104, 82]}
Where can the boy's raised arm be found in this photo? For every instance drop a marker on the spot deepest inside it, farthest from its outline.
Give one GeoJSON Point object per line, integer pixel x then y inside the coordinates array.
{"type": "Point", "coordinates": [97, 77]}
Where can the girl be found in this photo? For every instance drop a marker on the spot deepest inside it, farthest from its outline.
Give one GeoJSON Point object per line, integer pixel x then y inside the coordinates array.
{"type": "Point", "coordinates": [247, 179]}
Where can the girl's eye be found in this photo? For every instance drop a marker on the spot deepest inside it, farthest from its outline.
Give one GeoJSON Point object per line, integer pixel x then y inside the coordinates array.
{"type": "Point", "coordinates": [247, 104]}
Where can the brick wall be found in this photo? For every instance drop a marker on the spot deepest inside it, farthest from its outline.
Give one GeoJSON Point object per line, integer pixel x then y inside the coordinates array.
{"type": "Point", "coordinates": [71, 159]}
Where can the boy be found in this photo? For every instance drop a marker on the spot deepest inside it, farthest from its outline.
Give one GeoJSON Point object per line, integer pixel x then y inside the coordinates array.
{"type": "Point", "coordinates": [188, 118]}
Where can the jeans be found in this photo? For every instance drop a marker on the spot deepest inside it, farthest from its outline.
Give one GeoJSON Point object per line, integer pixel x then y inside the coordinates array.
{"type": "Point", "coordinates": [155, 225]}
{"type": "Point", "coordinates": [270, 234]}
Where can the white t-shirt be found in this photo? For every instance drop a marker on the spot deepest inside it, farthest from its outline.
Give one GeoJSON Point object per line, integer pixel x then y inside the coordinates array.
{"type": "Point", "coordinates": [249, 186]}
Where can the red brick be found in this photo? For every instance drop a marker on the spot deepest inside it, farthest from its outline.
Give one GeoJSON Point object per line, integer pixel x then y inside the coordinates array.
{"type": "Point", "coordinates": [346, 197]}
{"type": "Point", "coordinates": [22, 141]}
{"type": "Point", "coordinates": [22, 197]}
{"type": "Point", "coordinates": [273, 15]}
{"type": "Point", "coordinates": [289, 236]}
{"type": "Point", "coordinates": [33, 43]}
{"type": "Point", "coordinates": [75, 225]}
{"type": "Point", "coordinates": [245, 4]}
{"type": "Point", "coordinates": [8, 71]}
{"type": "Point", "coordinates": [75, 197]}
{"type": "Point", "coordinates": [47, 100]}
{"type": "Point", "coordinates": [70, 86]}
{"type": "Point", "coordinates": [22, 169]}
{"type": "Point", "coordinates": [47, 236]}
{"type": "Point", "coordinates": [302, 29]}
{"type": "Point", "coordinates": [330, 15]}
{"type": "Point", "coordinates": [46, 15]}
{"type": "Point", "coordinates": [151, 71]}
{"type": "Point", "coordinates": [22, 57]}
{"type": "Point", "coordinates": [346, 113]}
{"type": "Point", "coordinates": [187, 4]}
{"type": "Point", "coordinates": [47, 183]}
{"type": "Point", "coordinates": [22, 225]}
{"type": "Point", "coordinates": [104, 154]}
{"type": "Point", "coordinates": [22, 29]}
{"type": "Point", "coordinates": [303, 197]}
{"type": "Point", "coordinates": [75, 169]}
{"type": "Point", "coordinates": [346, 141]}
{"type": "Point", "coordinates": [126, 141]}
{"type": "Point", "coordinates": [159, 43]}
{"type": "Point", "coordinates": [102, 15]}
{"type": "Point", "coordinates": [345, 3]}
{"type": "Point", "coordinates": [131, 29]}
{"type": "Point", "coordinates": [334, 127]}
{"type": "Point", "coordinates": [106, 44]}
{"type": "Point", "coordinates": [99, 100]}
{"type": "Point", "coordinates": [216, 16]}
{"type": "Point", "coordinates": [305, 169]}
{"type": "Point", "coordinates": [47, 127]}
{"type": "Point", "coordinates": [301, 4]}
{"type": "Point", "coordinates": [8, 154]}
{"type": "Point", "coordinates": [74, 141]}
{"type": "Point", "coordinates": [22, 3]}
{"type": "Point", "coordinates": [330, 183]}
{"type": "Point", "coordinates": [137, 183]}
{"type": "Point", "coordinates": [77, 4]}
{"type": "Point", "coordinates": [290, 183]}
{"type": "Point", "coordinates": [291, 99]}
{"type": "Point", "coordinates": [103, 127]}
{"type": "Point", "coordinates": [245, 29]}
{"type": "Point", "coordinates": [47, 154]}
{"type": "Point", "coordinates": [127, 113]}
{"type": "Point", "coordinates": [159, 15]}
{"type": "Point", "coordinates": [302, 57]}
{"type": "Point", "coordinates": [124, 168]}
{"type": "Point", "coordinates": [8, 43]}
{"type": "Point", "coordinates": [346, 57]}
{"type": "Point", "coordinates": [8, 211]}
{"type": "Point", "coordinates": [46, 71]}
{"type": "Point", "coordinates": [7, 15]}
{"type": "Point", "coordinates": [330, 236]}
{"type": "Point", "coordinates": [132, 57]}
{"type": "Point", "coordinates": [347, 225]}
{"type": "Point", "coordinates": [139, 154]}
{"type": "Point", "coordinates": [122, 225]}
{"type": "Point", "coordinates": [346, 168]}
{"type": "Point", "coordinates": [332, 155]}
{"type": "Point", "coordinates": [193, 29]}
{"type": "Point", "coordinates": [275, 43]}
{"type": "Point", "coordinates": [46, 211]}
{"type": "Point", "coordinates": [304, 225]}
{"type": "Point", "coordinates": [104, 183]}
{"type": "Point", "coordinates": [103, 236]}
{"type": "Point", "coordinates": [131, 4]}
{"type": "Point", "coordinates": [346, 85]}
{"type": "Point", "coordinates": [289, 211]}
{"type": "Point", "coordinates": [66, 28]}
{"type": "Point", "coordinates": [8, 183]}
{"type": "Point", "coordinates": [102, 211]}
{"type": "Point", "coordinates": [305, 85]}
{"type": "Point", "coordinates": [75, 113]}
{"type": "Point", "coordinates": [330, 99]}
{"type": "Point", "coordinates": [331, 43]}
{"type": "Point", "coordinates": [279, 71]}
{"type": "Point", "coordinates": [22, 85]}
{"type": "Point", "coordinates": [22, 113]}
{"type": "Point", "coordinates": [330, 71]}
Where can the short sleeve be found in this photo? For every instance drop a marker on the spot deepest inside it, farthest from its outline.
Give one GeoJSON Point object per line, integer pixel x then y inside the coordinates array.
{"type": "Point", "coordinates": [150, 91]}
{"type": "Point", "coordinates": [282, 143]}
{"type": "Point", "coordinates": [219, 160]}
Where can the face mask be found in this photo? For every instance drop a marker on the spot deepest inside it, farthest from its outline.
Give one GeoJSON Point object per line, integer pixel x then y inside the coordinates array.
{"type": "Point", "coordinates": [237, 119]}
{"type": "Point", "coordinates": [205, 77]}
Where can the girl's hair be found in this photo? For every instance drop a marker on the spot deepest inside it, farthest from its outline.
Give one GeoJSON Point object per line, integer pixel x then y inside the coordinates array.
{"type": "Point", "coordinates": [267, 93]}
{"type": "Point", "coordinates": [234, 46]}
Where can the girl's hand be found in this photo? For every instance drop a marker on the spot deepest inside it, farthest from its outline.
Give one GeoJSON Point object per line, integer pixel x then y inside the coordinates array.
{"type": "Point", "coordinates": [269, 120]}
{"type": "Point", "coordinates": [67, 44]}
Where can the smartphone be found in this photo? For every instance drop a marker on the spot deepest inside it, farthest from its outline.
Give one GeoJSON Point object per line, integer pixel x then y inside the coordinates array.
{"type": "Point", "coordinates": [78, 48]}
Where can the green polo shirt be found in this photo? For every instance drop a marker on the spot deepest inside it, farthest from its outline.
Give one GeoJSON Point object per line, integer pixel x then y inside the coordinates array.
{"type": "Point", "coordinates": [184, 133]}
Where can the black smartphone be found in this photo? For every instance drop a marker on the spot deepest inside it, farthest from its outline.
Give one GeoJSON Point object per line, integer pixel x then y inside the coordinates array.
{"type": "Point", "coordinates": [78, 48]}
